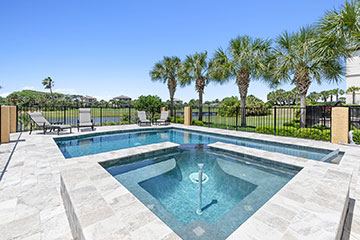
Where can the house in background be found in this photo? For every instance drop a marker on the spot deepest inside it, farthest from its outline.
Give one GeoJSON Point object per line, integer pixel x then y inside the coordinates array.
{"type": "Point", "coordinates": [353, 77]}
{"type": "Point", "coordinates": [122, 98]}
{"type": "Point", "coordinates": [178, 101]}
{"type": "Point", "coordinates": [90, 99]}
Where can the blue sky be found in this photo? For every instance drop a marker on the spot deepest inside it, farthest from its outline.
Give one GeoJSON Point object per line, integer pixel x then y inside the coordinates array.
{"type": "Point", "coordinates": [106, 48]}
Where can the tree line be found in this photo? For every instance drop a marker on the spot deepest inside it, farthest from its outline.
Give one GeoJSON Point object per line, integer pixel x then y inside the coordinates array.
{"type": "Point", "coordinates": [313, 53]}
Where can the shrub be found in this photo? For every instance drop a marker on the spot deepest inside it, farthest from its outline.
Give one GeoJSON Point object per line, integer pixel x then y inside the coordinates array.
{"type": "Point", "coordinates": [293, 123]}
{"type": "Point", "coordinates": [356, 136]}
{"type": "Point", "coordinates": [311, 133]}
{"type": "Point", "coordinates": [254, 107]}
{"type": "Point", "coordinates": [198, 123]}
{"type": "Point", "coordinates": [180, 120]}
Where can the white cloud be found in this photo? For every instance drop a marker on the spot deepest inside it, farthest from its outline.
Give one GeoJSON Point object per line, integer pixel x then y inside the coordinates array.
{"type": "Point", "coordinates": [4, 94]}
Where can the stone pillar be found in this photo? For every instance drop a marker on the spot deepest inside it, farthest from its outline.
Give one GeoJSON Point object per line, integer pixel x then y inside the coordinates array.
{"type": "Point", "coordinates": [340, 125]}
{"type": "Point", "coordinates": [5, 124]}
{"type": "Point", "coordinates": [164, 109]}
{"type": "Point", "coordinates": [12, 119]}
{"type": "Point", "coordinates": [187, 116]}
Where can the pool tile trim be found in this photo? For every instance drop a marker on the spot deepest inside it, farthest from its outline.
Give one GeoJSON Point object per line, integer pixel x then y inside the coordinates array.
{"type": "Point", "coordinates": [95, 201]}
{"type": "Point", "coordinates": [316, 176]}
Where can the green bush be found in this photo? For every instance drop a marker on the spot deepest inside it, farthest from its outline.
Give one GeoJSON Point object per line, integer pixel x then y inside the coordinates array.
{"type": "Point", "coordinates": [180, 120]}
{"type": "Point", "coordinates": [198, 123]}
{"type": "Point", "coordinates": [311, 133]}
{"type": "Point", "coordinates": [356, 136]}
{"type": "Point", "coordinates": [293, 123]}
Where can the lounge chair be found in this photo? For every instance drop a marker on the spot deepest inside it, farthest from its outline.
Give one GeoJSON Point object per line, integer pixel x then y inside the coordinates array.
{"type": "Point", "coordinates": [40, 121]}
{"type": "Point", "coordinates": [163, 118]}
{"type": "Point", "coordinates": [143, 119]}
{"type": "Point", "coordinates": [85, 119]}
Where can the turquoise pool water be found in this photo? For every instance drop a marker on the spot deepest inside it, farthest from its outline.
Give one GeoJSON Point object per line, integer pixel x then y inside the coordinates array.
{"type": "Point", "coordinates": [104, 142]}
{"type": "Point", "coordinates": [236, 188]}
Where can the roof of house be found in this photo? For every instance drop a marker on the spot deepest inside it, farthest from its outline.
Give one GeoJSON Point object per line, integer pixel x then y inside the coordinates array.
{"type": "Point", "coordinates": [121, 96]}
{"type": "Point", "coordinates": [177, 99]}
{"type": "Point", "coordinates": [90, 97]}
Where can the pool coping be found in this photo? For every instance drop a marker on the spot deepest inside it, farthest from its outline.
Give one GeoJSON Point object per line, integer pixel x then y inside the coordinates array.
{"type": "Point", "coordinates": [99, 207]}
{"type": "Point", "coordinates": [291, 215]}
{"type": "Point", "coordinates": [95, 178]}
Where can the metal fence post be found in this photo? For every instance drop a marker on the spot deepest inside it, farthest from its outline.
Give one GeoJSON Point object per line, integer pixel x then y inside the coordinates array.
{"type": "Point", "coordinates": [129, 114]}
{"type": "Point", "coordinates": [274, 120]}
{"type": "Point", "coordinates": [64, 114]}
{"type": "Point", "coordinates": [236, 117]}
{"type": "Point", "coordinates": [209, 116]}
{"type": "Point", "coordinates": [174, 114]}
{"type": "Point", "coordinates": [101, 116]}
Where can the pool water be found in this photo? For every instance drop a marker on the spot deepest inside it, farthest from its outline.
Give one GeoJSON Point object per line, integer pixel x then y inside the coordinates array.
{"type": "Point", "coordinates": [99, 143]}
{"type": "Point", "coordinates": [236, 188]}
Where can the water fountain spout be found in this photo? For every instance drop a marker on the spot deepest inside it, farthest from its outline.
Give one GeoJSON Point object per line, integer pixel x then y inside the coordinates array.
{"type": "Point", "coordinates": [199, 211]}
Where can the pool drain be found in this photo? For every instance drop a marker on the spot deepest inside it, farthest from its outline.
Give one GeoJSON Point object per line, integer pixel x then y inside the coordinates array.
{"type": "Point", "coordinates": [194, 177]}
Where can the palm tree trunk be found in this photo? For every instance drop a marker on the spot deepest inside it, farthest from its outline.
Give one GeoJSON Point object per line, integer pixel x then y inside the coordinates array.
{"type": "Point", "coordinates": [172, 88]}
{"type": "Point", "coordinates": [51, 94]}
{"type": "Point", "coordinates": [337, 97]}
{"type": "Point", "coordinates": [200, 105]}
{"type": "Point", "coordinates": [302, 110]}
{"type": "Point", "coordinates": [302, 81]}
{"type": "Point", "coordinates": [243, 80]}
{"type": "Point", "coordinates": [243, 111]}
{"type": "Point", "coordinates": [172, 106]}
{"type": "Point", "coordinates": [353, 97]}
{"type": "Point", "coordinates": [200, 85]}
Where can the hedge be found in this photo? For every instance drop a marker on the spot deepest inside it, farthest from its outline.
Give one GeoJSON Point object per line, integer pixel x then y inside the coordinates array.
{"type": "Point", "coordinates": [310, 133]}
{"type": "Point", "coordinates": [356, 136]}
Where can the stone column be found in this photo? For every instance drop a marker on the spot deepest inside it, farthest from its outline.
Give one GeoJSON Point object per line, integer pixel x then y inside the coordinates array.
{"type": "Point", "coordinates": [340, 125]}
{"type": "Point", "coordinates": [5, 124]}
{"type": "Point", "coordinates": [187, 116]}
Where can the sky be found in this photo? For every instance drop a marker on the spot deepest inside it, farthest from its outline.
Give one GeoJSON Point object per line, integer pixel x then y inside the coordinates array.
{"type": "Point", "coordinates": [106, 48]}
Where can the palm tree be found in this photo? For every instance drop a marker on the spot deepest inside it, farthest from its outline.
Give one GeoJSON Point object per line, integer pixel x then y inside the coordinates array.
{"type": "Point", "coordinates": [298, 61]}
{"type": "Point", "coordinates": [14, 99]}
{"type": "Point", "coordinates": [324, 95]}
{"type": "Point", "coordinates": [339, 31]}
{"type": "Point", "coordinates": [197, 68]}
{"type": "Point", "coordinates": [313, 96]}
{"type": "Point", "coordinates": [244, 60]}
{"type": "Point", "coordinates": [48, 83]}
{"type": "Point", "coordinates": [337, 92]}
{"type": "Point", "coordinates": [167, 71]}
{"type": "Point", "coordinates": [353, 90]}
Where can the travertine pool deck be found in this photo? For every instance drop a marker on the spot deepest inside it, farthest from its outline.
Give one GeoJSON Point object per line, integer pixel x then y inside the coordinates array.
{"type": "Point", "coordinates": [31, 206]}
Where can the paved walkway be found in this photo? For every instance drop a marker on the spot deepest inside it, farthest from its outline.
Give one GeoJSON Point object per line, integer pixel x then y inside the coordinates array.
{"type": "Point", "coordinates": [30, 203]}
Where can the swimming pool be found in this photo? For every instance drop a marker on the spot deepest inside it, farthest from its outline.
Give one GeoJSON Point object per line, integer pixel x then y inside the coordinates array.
{"type": "Point", "coordinates": [235, 188]}
{"type": "Point", "coordinates": [110, 141]}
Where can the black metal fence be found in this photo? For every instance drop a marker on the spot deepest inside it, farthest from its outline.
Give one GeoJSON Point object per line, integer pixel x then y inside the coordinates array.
{"type": "Point", "coordinates": [69, 115]}
{"type": "Point", "coordinates": [354, 115]}
{"type": "Point", "coordinates": [284, 121]}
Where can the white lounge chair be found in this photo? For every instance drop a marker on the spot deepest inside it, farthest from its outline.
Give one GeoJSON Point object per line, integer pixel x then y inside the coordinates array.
{"type": "Point", "coordinates": [42, 122]}
{"type": "Point", "coordinates": [85, 119]}
{"type": "Point", "coordinates": [164, 118]}
{"type": "Point", "coordinates": [143, 119]}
